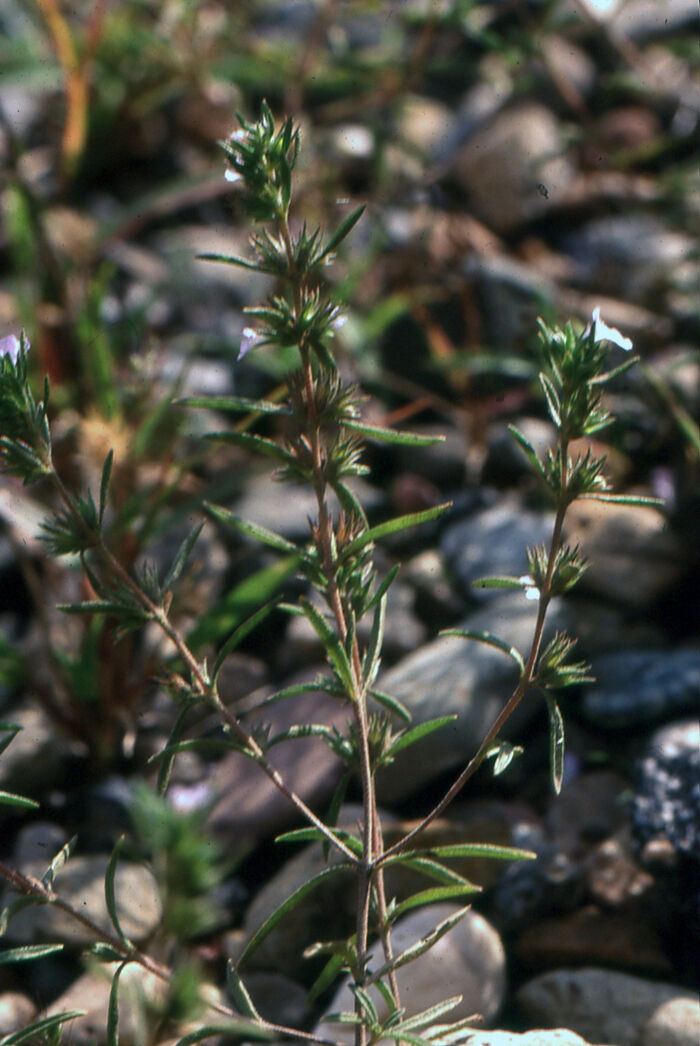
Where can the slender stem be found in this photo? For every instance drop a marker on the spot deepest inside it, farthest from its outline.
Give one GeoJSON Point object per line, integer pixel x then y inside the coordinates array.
{"type": "Point", "coordinates": [522, 687]}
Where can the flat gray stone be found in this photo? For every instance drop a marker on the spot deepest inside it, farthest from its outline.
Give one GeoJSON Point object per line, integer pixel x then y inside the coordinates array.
{"type": "Point", "coordinates": [454, 676]}
{"type": "Point", "coordinates": [603, 1006]}
{"type": "Point", "coordinates": [468, 961]}
{"type": "Point", "coordinates": [81, 883]}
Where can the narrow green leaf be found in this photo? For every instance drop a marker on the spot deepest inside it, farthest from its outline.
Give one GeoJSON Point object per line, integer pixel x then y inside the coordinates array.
{"type": "Point", "coordinates": [105, 952]}
{"type": "Point", "coordinates": [113, 1008]}
{"type": "Point", "coordinates": [490, 850]}
{"type": "Point", "coordinates": [418, 732]}
{"type": "Point", "coordinates": [500, 582]}
{"type": "Point", "coordinates": [166, 763]}
{"type": "Point", "coordinates": [110, 894]}
{"type": "Point", "coordinates": [291, 902]}
{"type": "Point", "coordinates": [104, 483]}
{"type": "Point", "coordinates": [341, 232]}
{"type": "Point", "coordinates": [372, 656]}
{"type": "Point", "coordinates": [490, 640]}
{"type": "Point", "coordinates": [332, 645]}
{"type": "Point", "coordinates": [429, 1016]}
{"type": "Point", "coordinates": [28, 952]}
{"type": "Point", "coordinates": [350, 502]}
{"type": "Point", "coordinates": [39, 1028]}
{"type": "Point", "coordinates": [396, 436]}
{"type": "Point", "coordinates": [556, 743]}
{"type": "Point", "coordinates": [95, 606]}
{"type": "Point", "coordinates": [58, 862]}
{"type": "Point", "coordinates": [259, 444]}
{"type": "Point", "coordinates": [418, 948]}
{"type": "Point", "coordinates": [527, 447]}
{"type": "Point", "coordinates": [432, 896]}
{"type": "Point", "coordinates": [181, 558]}
{"type": "Point", "coordinates": [236, 1028]}
{"type": "Point", "coordinates": [232, 259]}
{"type": "Point", "coordinates": [13, 730]}
{"type": "Point", "coordinates": [240, 633]}
{"type": "Point", "coordinates": [625, 499]}
{"type": "Point", "coordinates": [326, 977]}
{"type": "Point", "coordinates": [312, 835]}
{"type": "Point", "coordinates": [503, 753]}
{"type": "Point", "coordinates": [552, 397]}
{"type": "Point", "coordinates": [434, 870]}
{"type": "Point", "coordinates": [368, 1008]}
{"type": "Point", "coordinates": [392, 704]}
{"type": "Point", "coordinates": [383, 586]}
{"type": "Point", "coordinates": [393, 526]}
{"type": "Point", "coordinates": [239, 993]}
{"type": "Point", "coordinates": [234, 404]}
{"type": "Point", "coordinates": [254, 530]}
{"type": "Point", "coordinates": [10, 799]}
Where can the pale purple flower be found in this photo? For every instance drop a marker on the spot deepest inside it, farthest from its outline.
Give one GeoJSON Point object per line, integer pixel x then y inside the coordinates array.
{"type": "Point", "coordinates": [339, 321]}
{"type": "Point", "coordinates": [11, 345]}
{"type": "Point", "coordinates": [601, 332]}
{"type": "Point", "coordinates": [232, 176]}
{"type": "Point", "coordinates": [248, 340]}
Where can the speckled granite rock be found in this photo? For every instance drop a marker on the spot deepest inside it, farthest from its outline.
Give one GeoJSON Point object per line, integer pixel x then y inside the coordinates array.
{"type": "Point", "coordinates": [639, 686]}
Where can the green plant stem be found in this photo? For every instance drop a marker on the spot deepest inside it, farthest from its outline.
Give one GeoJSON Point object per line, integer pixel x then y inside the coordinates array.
{"type": "Point", "coordinates": [371, 828]}
{"type": "Point", "coordinates": [522, 687]}
{"type": "Point", "coordinates": [31, 887]}
{"type": "Point", "coordinates": [206, 688]}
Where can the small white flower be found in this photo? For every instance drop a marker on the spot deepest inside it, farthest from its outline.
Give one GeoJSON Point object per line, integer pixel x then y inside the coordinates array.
{"type": "Point", "coordinates": [601, 332]}
{"type": "Point", "coordinates": [248, 340]}
{"type": "Point", "coordinates": [232, 176]}
{"type": "Point", "coordinates": [531, 592]}
{"type": "Point", "coordinates": [339, 321]}
{"type": "Point", "coordinates": [11, 345]}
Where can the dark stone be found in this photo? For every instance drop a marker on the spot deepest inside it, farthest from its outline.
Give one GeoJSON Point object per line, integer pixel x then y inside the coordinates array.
{"type": "Point", "coordinates": [637, 686]}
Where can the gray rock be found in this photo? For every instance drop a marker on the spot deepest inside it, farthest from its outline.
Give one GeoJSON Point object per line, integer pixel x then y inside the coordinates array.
{"type": "Point", "coordinates": [629, 256]}
{"type": "Point", "coordinates": [34, 760]}
{"type": "Point", "coordinates": [502, 165]}
{"type": "Point", "coordinates": [645, 20]}
{"type": "Point", "coordinates": [277, 998]}
{"type": "Point", "coordinates": [493, 542]}
{"type": "Point", "coordinates": [639, 686]}
{"type": "Point", "coordinates": [511, 295]}
{"type": "Point", "coordinates": [674, 1023]}
{"type": "Point", "coordinates": [288, 510]}
{"type": "Point", "coordinates": [81, 883]}
{"type": "Point", "coordinates": [454, 676]}
{"type": "Point", "coordinates": [248, 805]}
{"type": "Point", "coordinates": [601, 1005]}
{"type": "Point", "coordinates": [505, 461]}
{"type": "Point", "coordinates": [16, 1012]}
{"type": "Point", "coordinates": [633, 558]}
{"type": "Point", "coordinates": [327, 913]}
{"type": "Point", "coordinates": [468, 961]}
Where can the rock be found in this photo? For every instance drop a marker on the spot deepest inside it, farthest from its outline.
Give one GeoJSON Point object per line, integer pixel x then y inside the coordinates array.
{"type": "Point", "coordinates": [588, 809]}
{"type": "Point", "coordinates": [510, 295]}
{"type": "Point", "coordinates": [277, 999]}
{"type": "Point", "coordinates": [601, 1005]}
{"type": "Point", "coordinates": [36, 842]}
{"type": "Point", "coordinates": [35, 759]}
{"type": "Point", "coordinates": [630, 256]}
{"type": "Point", "coordinates": [435, 599]}
{"type": "Point", "coordinates": [632, 557]}
{"type": "Point", "coordinates": [423, 123]}
{"type": "Point", "coordinates": [505, 461]}
{"type": "Point", "coordinates": [468, 961]}
{"type": "Point", "coordinates": [594, 935]}
{"type": "Point", "coordinates": [639, 686]}
{"type": "Point", "coordinates": [16, 1012]}
{"type": "Point", "coordinates": [503, 165]}
{"type": "Point", "coordinates": [493, 542]}
{"type": "Point", "coordinates": [81, 883]}
{"type": "Point", "coordinates": [287, 512]}
{"type": "Point", "coordinates": [139, 991]}
{"type": "Point", "coordinates": [248, 805]}
{"type": "Point", "coordinates": [666, 802]}
{"type": "Point", "coordinates": [674, 1023]}
{"type": "Point", "coordinates": [325, 913]}
{"type": "Point", "coordinates": [645, 20]}
{"type": "Point", "coordinates": [538, 1037]}
{"type": "Point", "coordinates": [454, 676]}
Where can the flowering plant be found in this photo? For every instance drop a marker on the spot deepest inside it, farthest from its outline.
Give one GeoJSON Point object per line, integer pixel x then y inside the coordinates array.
{"type": "Point", "coordinates": [323, 451]}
